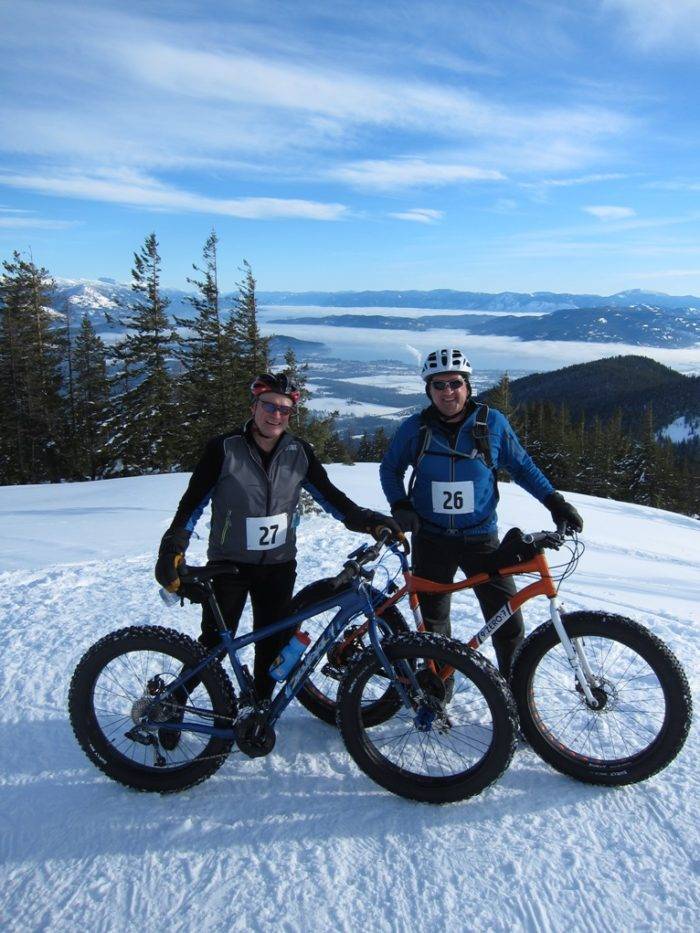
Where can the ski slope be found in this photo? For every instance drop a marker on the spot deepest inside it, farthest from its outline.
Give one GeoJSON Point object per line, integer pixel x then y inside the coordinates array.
{"type": "Point", "coordinates": [302, 840]}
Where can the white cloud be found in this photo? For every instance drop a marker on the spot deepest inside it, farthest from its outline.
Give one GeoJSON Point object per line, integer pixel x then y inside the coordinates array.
{"type": "Point", "coordinates": [671, 24]}
{"type": "Point", "coordinates": [505, 205]}
{"type": "Point", "coordinates": [421, 215]}
{"type": "Point", "coordinates": [193, 92]}
{"type": "Point", "coordinates": [388, 174]}
{"type": "Point", "coordinates": [609, 212]}
{"type": "Point", "coordinates": [35, 223]}
{"type": "Point", "coordinates": [130, 188]}
{"type": "Point", "coordinates": [580, 180]}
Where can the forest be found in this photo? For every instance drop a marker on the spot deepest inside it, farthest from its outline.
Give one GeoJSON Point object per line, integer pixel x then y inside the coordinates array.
{"type": "Point", "coordinates": [79, 408]}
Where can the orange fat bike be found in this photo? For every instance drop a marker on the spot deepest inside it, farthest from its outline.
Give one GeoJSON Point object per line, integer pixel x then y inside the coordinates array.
{"type": "Point", "coordinates": [599, 696]}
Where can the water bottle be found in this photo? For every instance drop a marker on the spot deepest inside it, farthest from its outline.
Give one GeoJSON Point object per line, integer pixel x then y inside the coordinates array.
{"type": "Point", "coordinates": [289, 655]}
{"type": "Point", "coordinates": [170, 599]}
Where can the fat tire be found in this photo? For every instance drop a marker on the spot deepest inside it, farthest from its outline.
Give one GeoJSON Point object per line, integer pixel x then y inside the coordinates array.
{"type": "Point", "coordinates": [325, 707]}
{"type": "Point", "coordinates": [429, 789]}
{"type": "Point", "coordinates": [100, 750]}
{"type": "Point", "coordinates": [678, 713]}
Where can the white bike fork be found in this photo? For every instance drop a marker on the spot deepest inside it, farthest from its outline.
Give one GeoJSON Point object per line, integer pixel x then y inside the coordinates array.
{"type": "Point", "coordinates": [574, 654]}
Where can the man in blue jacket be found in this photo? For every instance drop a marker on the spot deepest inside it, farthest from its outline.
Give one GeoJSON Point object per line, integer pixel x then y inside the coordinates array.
{"type": "Point", "coordinates": [455, 447]}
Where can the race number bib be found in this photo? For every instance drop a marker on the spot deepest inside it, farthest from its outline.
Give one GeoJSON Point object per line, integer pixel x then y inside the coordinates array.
{"type": "Point", "coordinates": [266, 532]}
{"type": "Point", "coordinates": [453, 498]}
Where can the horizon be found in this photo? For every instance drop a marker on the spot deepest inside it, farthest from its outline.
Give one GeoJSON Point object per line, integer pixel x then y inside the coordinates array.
{"type": "Point", "coordinates": [347, 148]}
{"type": "Point", "coordinates": [108, 280]}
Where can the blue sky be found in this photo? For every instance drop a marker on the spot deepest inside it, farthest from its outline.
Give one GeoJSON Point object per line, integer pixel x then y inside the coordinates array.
{"type": "Point", "coordinates": [517, 144]}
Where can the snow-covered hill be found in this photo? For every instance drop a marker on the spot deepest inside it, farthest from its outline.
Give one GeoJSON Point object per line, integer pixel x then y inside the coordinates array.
{"type": "Point", "coordinates": [302, 840]}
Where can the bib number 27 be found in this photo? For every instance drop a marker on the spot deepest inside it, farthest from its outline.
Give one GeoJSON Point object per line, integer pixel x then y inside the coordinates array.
{"type": "Point", "coordinates": [266, 532]}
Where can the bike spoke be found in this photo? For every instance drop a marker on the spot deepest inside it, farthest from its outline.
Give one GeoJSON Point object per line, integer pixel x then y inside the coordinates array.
{"type": "Point", "coordinates": [629, 718]}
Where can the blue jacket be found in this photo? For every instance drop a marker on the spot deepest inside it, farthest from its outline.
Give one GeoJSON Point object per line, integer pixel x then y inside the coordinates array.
{"type": "Point", "coordinates": [457, 494]}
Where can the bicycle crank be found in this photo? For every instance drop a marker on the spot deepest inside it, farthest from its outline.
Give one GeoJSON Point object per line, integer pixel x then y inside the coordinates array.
{"type": "Point", "coordinates": [255, 737]}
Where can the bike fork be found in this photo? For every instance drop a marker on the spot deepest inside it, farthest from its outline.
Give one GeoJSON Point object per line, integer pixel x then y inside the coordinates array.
{"type": "Point", "coordinates": [574, 654]}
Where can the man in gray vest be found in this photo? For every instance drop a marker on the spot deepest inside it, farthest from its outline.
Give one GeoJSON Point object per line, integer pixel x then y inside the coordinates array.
{"type": "Point", "coordinates": [253, 477]}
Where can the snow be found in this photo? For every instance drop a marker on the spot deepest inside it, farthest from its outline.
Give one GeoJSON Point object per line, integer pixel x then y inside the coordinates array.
{"type": "Point", "coordinates": [302, 840]}
{"type": "Point", "coordinates": [682, 429]}
{"type": "Point", "coordinates": [347, 407]}
{"type": "Point", "coordinates": [403, 384]}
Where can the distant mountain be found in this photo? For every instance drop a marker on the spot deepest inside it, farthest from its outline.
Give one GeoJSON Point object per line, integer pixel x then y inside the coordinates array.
{"type": "Point", "coordinates": [626, 383]}
{"type": "Point", "coordinates": [105, 298]}
{"type": "Point", "coordinates": [639, 325]}
{"type": "Point", "coordinates": [633, 317]}
{"type": "Point", "coordinates": [448, 300]}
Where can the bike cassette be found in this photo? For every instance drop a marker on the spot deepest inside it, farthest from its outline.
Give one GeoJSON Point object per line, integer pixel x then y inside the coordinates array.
{"type": "Point", "coordinates": [255, 737]}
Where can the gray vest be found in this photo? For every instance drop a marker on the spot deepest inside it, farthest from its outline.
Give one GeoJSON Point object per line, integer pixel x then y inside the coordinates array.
{"type": "Point", "coordinates": [254, 513]}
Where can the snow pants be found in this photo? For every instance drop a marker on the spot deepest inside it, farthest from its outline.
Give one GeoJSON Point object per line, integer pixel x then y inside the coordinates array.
{"type": "Point", "coordinates": [270, 588]}
{"type": "Point", "coordinates": [437, 557]}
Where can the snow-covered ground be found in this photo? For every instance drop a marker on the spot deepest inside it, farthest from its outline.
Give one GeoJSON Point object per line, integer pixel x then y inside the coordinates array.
{"type": "Point", "coordinates": [302, 840]}
{"type": "Point", "coordinates": [346, 407]}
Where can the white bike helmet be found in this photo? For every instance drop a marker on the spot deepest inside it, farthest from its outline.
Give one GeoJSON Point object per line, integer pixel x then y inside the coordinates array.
{"type": "Point", "coordinates": [449, 360]}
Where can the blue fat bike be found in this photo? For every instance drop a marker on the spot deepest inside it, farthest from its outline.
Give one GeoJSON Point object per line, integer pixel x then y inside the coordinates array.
{"type": "Point", "coordinates": [156, 711]}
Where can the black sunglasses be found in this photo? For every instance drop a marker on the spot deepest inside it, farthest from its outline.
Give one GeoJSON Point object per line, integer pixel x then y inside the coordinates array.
{"type": "Point", "coordinates": [284, 410]}
{"type": "Point", "coordinates": [440, 384]}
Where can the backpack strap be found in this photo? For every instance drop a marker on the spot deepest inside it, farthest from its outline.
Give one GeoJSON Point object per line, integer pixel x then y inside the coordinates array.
{"type": "Point", "coordinates": [425, 435]}
{"type": "Point", "coordinates": [480, 433]}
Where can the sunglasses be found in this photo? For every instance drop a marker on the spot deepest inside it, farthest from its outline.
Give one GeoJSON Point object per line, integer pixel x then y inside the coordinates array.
{"type": "Point", "coordinates": [284, 410]}
{"type": "Point", "coordinates": [441, 385]}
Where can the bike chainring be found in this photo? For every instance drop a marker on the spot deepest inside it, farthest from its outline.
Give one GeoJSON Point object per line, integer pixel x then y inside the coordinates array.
{"type": "Point", "coordinates": [255, 737]}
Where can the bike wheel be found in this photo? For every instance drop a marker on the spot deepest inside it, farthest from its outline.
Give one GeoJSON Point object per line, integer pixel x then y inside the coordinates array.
{"type": "Point", "coordinates": [121, 676]}
{"type": "Point", "coordinates": [444, 748]}
{"type": "Point", "coordinates": [644, 710]}
{"type": "Point", "coordinates": [319, 695]}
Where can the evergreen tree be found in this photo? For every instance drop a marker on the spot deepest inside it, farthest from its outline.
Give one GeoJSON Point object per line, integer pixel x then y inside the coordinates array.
{"type": "Point", "coordinates": [145, 429]}
{"type": "Point", "coordinates": [500, 397]}
{"type": "Point", "coordinates": [206, 384]}
{"type": "Point", "coordinates": [247, 350]}
{"type": "Point", "coordinates": [31, 356]}
{"type": "Point", "coordinates": [318, 431]}
{"type": "Point", "coordinates": [90, 400]}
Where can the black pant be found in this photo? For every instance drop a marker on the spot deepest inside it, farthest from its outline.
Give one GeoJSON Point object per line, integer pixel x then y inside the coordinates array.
{"type": "Point", "coordinates": [437, 557]}
{"type": "Point", "coordinates": [270, 588]}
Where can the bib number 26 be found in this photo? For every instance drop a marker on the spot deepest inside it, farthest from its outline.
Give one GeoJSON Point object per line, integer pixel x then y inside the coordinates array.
{"type": "Point", "coordinates": [453, 498]}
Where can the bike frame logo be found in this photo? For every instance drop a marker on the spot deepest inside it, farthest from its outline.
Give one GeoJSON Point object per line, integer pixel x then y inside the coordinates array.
{"type": "Point", "coordinates": [505, 612]}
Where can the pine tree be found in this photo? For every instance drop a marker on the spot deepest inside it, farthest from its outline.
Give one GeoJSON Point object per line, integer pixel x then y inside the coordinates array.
{"type": "Point", "coordinates": [247, 350]}
{"type": "Point", "coordinates": [500, 398]}
{"type": "Point", "coordinates": [90, 400]}
{"type": "Point", "coordinates": [31, 355]}
{"type": "Point", "coordinates": [145, 430]}
{"type": "Point", "coordinates": [206, 385]}
{"type": "Point", "coordinates": [318, 431]}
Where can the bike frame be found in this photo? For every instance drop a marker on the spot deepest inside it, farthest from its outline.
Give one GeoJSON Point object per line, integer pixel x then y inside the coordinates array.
{"type": "Point", "coordinates": [545, 586]}
{"type": "Point", "coordinates": [348, 603]}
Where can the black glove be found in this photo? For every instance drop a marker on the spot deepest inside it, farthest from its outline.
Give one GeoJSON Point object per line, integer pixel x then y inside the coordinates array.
{"type": "Point", "coordinates": [563, 512]}
{"type": "Point", "coordinates": [170, 554]}
{"type": "Point", "coordinates": [372, 523]}
{"type": "Point", "coordinates": [406, 516]}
